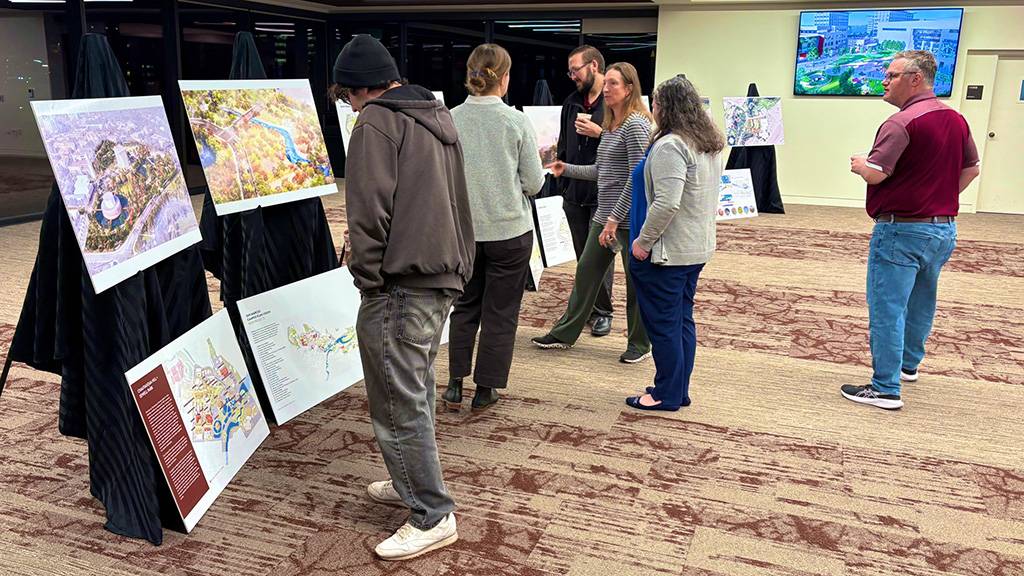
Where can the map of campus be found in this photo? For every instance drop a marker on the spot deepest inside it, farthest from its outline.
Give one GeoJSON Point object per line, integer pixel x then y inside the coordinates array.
{"type": "Point", "coordinates": [847, 52]}
{"type": "Point", "coordinates": [257, 142]}
{"type": "Point", "coordinates": [120, 180]}
{"type": "Point", "coordinates": [753, 121]}
{"type": "Point", "coordinates": [323, 342]}
{"type": "Point", "coordinates": [219, 401]}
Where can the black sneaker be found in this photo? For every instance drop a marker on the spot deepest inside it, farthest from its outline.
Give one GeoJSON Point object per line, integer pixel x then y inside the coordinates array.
{"type": "Point", "coordinates": [548, 341]}
{"type": "Point", "coordinates": [868, 395]}
{"type": "Point", "coordinates": [602, 326]}
{"type": "Point", "coordinates": [632, 356]}
{"type": "Point", "coordinates": [908, 376]}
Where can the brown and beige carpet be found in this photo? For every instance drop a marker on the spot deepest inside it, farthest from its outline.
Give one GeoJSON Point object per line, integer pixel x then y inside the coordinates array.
{"type": "Point", "coordinates": [770, 472]}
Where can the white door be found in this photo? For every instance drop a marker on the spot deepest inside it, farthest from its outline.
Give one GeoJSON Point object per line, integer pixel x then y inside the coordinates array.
{"type": "Point", "coordinates": [1002, 181]}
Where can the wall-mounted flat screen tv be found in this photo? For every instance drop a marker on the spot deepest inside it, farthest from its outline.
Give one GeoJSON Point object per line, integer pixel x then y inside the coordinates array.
{"type": "Point", "coordinates": [846, 52]}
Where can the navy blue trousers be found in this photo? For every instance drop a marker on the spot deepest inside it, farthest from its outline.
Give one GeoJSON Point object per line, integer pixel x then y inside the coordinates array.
{"type": "Point", "coordinates": [665, 295]}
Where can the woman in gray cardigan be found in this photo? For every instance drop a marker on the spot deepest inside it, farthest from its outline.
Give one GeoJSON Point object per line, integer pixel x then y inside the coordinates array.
{"type": "Point", "coordinates": [672, 234]}
{"type": "Point", "coordinates": [502, 170]}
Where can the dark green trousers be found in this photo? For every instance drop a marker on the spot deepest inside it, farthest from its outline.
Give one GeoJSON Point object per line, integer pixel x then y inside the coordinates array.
{"type": "Point", "coordinates": [590, 271]}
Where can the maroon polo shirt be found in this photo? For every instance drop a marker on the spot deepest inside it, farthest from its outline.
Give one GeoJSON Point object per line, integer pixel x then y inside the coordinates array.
{"type": "Point", "coordinates": [922, 149]}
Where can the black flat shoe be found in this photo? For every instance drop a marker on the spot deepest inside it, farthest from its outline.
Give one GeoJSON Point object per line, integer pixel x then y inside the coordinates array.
{"type": "Point", "coordinates": [484, 397]}
{"type": "Point", "coordinates": [453, 395]}
{"type": "Point", "coordinates": [602, 326]}
{"type": "Point", "coordinates": [634, 402]}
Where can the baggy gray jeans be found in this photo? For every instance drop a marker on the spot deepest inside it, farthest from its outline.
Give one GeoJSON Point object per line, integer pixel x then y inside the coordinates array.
{"type": "Point", "coordinates": [399, 330]}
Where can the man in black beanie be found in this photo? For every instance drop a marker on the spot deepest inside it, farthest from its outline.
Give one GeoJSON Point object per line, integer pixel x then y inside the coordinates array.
{"type": "Point", "coordinates": [412, 252]}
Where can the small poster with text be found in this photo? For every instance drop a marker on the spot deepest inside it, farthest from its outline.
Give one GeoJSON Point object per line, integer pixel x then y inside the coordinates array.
{"type": "Point", "coordinates": [303, 337]}
{"type": "Point", "coordinates": [200, 412]}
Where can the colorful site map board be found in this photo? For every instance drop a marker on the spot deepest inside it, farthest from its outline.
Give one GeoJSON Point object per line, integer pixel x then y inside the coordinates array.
{"type": "Point", "coordinates": [755, 121]}
{"type": "Point", "coordinates": [545, 122]}
{"type": "Point", "coordinates": [259, 141]}
{"type": "Point", "coordinates": [303, 337]}
{"type": "Point", "coordinates": [117, 170]}
{"type": "Point", "coordinates": [201, 413]}
{"type": "Point", "coordinates": [736, 195]}
{"type": "Point", "coordinates": [536, 264]}
{"type": "Point", "coordinates": [553, 229]}
{"type": "Point", "coordinates": [347, 118]}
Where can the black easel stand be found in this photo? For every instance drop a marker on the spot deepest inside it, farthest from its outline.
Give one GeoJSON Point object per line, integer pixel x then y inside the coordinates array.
{"type": "Point", "coordinates": [761, 161]}
{"type": "Point", "coordinates": [265, 248]}
{"type": "Point", "coordinates": [91, 340]}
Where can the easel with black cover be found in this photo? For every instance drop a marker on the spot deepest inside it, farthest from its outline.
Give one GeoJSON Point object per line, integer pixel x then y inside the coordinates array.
{"type": "Point", "coordinates": [265, 248]}
{"type": "Point", "coordinates": [90, 340]}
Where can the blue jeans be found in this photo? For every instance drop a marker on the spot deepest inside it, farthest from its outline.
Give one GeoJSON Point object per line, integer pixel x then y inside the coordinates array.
{"type": "Point", "coordinates": [665, 297]}
{"type": "Point", "coordinates": [903, 278]}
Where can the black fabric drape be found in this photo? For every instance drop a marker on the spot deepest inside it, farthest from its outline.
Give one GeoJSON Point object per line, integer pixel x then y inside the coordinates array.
{"type": "Point", "coordinates": [542, 94]}
{"type": "Point", "coordinates": [258, 250]}
{"type": "Point", "coordinates": [761, 161]}
{"type": "Point", "coordinates": [91, 339]}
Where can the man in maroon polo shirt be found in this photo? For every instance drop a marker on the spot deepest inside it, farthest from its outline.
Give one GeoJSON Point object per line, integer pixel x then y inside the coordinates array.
{"type": "Point", "coordinates": [922, 159]}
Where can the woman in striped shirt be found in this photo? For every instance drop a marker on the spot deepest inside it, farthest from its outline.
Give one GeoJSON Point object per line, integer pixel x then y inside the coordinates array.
{"type": "Point", "coordinates": [624, 138]}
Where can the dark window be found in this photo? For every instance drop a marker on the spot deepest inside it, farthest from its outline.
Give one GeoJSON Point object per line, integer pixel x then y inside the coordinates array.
{"type": "Point", "coordinates": [636, 48]}
{"type": "Point", "coordinates": [540, 51]}
{"type": "Point", "coordinates": [437, 54]}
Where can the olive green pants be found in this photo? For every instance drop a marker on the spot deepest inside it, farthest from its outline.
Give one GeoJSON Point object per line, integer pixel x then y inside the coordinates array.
{"type": "Point", "coordinates": [590, 271]}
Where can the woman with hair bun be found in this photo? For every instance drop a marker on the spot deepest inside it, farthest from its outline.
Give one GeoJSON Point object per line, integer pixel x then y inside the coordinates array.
{"type": "Point", "coordinates": [502, 171]}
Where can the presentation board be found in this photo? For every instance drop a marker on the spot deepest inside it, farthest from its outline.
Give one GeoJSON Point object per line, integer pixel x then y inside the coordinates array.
{"type": "Point", "coordinates": [200, 412]}
{"type": "Point", "coordinates": [736, 195]}
{"type": "Point", "coordinates": [755, 121]}
{"type": "Point", "coordinates": [553, 231]}
{"type": "Point", "coordinates": [536, 264]}
{"type": "Point", "coordinates": [545, 122]}
{"type": "Point", "coordinates": [303, 338]}
{"type": "Point", "coordinates": [118, 174]}
{"type": "Point", "coordinates": [259, 142]}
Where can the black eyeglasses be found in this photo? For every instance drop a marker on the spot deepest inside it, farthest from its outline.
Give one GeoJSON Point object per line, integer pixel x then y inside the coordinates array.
{"type": "Point", "coordinates": [574, 71]}
{"type": "Point", "coordinates": [345, 95]}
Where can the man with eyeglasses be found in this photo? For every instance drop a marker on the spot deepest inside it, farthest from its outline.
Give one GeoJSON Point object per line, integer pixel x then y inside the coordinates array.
{"type": "Point", "coordinates": [922, 159]}
{"type": "Point", "coordinates": [579, 135]}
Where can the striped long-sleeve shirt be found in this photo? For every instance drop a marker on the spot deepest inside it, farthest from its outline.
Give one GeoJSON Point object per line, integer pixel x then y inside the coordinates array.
{"type": "Point", "coordinates": [617, 155]}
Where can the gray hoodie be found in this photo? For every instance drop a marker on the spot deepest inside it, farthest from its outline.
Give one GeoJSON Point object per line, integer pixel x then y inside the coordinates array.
{"type": "Point", "coordinates": [405, 195]}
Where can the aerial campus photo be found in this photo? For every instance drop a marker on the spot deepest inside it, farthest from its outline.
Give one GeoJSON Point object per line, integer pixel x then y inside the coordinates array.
{"type": "Point", "coordinates": [846, 53]}
{"type": "Point", "coordinates": [119, 176]}
{"type": "Point", "coordinates": [256, 142]}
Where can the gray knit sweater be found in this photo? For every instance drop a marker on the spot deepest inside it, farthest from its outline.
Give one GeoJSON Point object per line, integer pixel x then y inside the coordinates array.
{"type": "Point", "coordinates": [502, 167]}
{"type": "Point", "coordinates": [618, 154]}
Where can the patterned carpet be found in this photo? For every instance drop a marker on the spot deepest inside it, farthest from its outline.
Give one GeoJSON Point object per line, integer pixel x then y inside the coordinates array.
{"type": "Point", "coordinates": [770, 472]}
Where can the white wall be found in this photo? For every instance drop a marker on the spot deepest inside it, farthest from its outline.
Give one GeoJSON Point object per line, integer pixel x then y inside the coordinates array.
{"type": "Point", "coordinates": [23, 67]}
{"type": "Point", "coordinates": [722, 51]}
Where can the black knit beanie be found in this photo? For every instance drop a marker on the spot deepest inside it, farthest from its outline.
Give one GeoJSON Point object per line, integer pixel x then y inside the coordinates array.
{"type": "Point", "coordinates": [364, 63]}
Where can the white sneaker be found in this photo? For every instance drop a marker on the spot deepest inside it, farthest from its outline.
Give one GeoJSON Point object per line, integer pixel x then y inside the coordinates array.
{"type": "Point", "coordinates": [907, 376]}
{"type": "Point", "coordinates": [384, 492]}
{"type": "Point", "coordinates": [410, 542]}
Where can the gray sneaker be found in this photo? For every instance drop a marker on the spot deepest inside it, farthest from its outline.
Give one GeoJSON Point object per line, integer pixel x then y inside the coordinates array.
{"type": "Point", "coordinates": [868, 395]}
